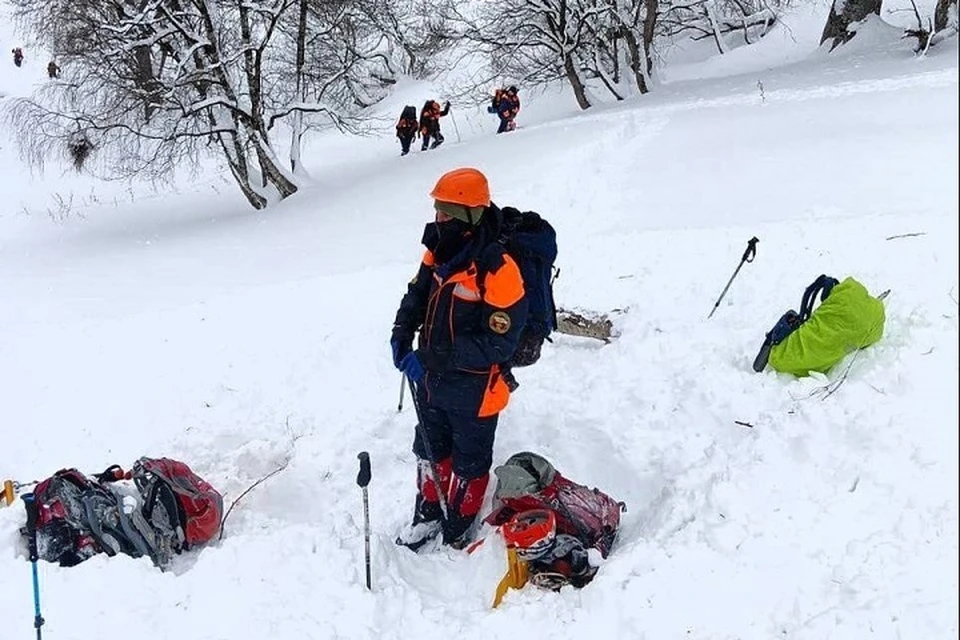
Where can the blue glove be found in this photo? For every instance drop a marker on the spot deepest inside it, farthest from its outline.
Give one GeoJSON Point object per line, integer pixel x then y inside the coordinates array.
{"type": "Point", "coordinates": [400, 349]}
{"type": "Point", "coordinates": [411, 367]}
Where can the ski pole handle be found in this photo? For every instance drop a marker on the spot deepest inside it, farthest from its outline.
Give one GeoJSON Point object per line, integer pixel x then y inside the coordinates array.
{"type": "Point", "coordinates": [751, 251]}
{"type": "Point", "coordinates": [30, 506]}
{"type": "Point", "coordinates": [363, 476]}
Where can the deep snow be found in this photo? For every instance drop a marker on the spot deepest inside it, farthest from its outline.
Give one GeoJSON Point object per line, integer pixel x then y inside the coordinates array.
{"type": "Point", "coordinates": [182, 323]}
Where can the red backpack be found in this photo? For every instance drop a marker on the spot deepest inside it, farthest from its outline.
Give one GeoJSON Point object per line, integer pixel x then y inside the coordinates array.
{"type": "Point", "coordinates": [79, 516]}
{"type": "Point", "coordinates": [528, 481]}
{"type": "Point", "coordinates": [198, 505]}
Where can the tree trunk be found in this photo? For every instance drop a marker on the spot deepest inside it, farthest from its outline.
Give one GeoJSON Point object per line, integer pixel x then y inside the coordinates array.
{"type": "Point", "coordinates": [715, 27]}
{"type": "Point", "coordinates": [573, 77]}
{"type": "Point", "coordinates": [270, 168]}
{"type": "Point", "coordinates": [941, 17]}
{"type": "Point", "coordinates": [145, 79]}
{"type": "Point", "coordinates": [649, 31]}
{"type": "Point", "coordinates": [843, 13]}
{"type": "Point", "coordinates": [237, 161]}
{"type": "Point", "coordinates": [297, 128]}
{"type": "Point", "coordinates": [637, 61]}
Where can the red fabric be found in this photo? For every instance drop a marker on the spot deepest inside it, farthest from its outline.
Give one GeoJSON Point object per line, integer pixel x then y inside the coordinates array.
{"type": "Point", "coordinates": [202, 504]}
{"type": "Point", "coordinates": [468, 494]}
{"type": "Point", "coordinates": [587, 514]}
{"type": "Point", "coordinates": [425, 483]}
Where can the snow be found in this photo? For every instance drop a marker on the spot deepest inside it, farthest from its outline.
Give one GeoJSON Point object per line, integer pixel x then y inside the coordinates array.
{"type": "Point", "coordinates": [179, 322]}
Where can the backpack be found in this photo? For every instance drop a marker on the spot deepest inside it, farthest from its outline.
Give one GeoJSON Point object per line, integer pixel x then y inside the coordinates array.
{"type": "Point", "coordinates": [426, 113]}
{"type": "Point", "coordinates": [532, 243]}
{"type": "Point", "coordinates": [64, 503]}
{"type": "Point", "coordinates": [173, 485]}
{"type": "Point", "coordinates": [167, 510]}
{"type": "Point", "coordinates": [495, 101]}
{"type": "Point", "coordinates": [528, 481]}
{"type": "Point", "coordinates": [581, 518]}
{"type": "Point", "coordinates": [408, 119]}
{"type": "Point", "coordinates": [848, 318]}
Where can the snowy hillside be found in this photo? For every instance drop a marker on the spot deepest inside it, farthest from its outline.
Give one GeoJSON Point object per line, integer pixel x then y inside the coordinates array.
{"type": "Point", "coordinates": [182, 323]}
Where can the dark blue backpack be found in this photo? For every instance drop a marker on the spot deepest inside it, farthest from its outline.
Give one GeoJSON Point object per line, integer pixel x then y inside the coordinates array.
{"type": "Point", "coordinates": [532, 242]}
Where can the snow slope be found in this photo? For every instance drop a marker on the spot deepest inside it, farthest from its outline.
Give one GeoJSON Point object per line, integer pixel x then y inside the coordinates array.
{"type": "Point", "coordinates": [184, 324]}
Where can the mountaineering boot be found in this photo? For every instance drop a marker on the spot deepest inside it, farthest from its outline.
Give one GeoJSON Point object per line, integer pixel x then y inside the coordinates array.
{"type": "Point", "coordinates": [436, 143]}
{"type": "Point", "coordinates": [427, 514]}
{"type": "Point", "coordinates": [421, 536]}
{"type": "Point", "coordinates": [424, 529]}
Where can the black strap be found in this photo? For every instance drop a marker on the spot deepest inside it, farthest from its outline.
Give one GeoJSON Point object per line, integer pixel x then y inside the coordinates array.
{"type": "Point", "coordinates": [823, 285]}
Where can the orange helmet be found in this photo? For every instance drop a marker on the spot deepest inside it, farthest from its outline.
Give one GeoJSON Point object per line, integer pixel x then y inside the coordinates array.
{"type": "Point", "coordinates": [532, 533]}
{"type": "Point", "coordinates": [466, 186]}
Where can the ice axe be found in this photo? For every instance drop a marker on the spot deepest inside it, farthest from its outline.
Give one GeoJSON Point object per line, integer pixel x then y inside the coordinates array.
{"type": "Point", "coordinates": [10, 489]}
{"type": "Point", "coordinates": [363, 479]}
{"type": "Point", "coordinates": [748, 256]}
{"type": "Point", "coordinates": [516, 576]}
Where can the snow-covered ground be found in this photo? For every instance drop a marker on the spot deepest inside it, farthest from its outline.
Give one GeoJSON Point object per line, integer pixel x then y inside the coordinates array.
{"type": "Point", "coordinates": [182, 323]}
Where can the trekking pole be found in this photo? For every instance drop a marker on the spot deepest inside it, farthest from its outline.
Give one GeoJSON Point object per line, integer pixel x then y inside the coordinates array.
{"type": "Point", "coordinates": [403, 386]}
{"type": "Point", "coordinates": [748, 256]}
{"type": "Point", "coordinates": [363, 479]}
{"type": "Point", "coordinates": [426, 445]}
{"type": "Point", "coordinates": [456, 129]}
{"type": "Point", "coordinates": [30, 505]}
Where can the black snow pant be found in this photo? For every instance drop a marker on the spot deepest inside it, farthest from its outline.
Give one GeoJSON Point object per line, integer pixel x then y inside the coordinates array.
{"type": "Point", "coordinates": [432, 132]}
{"type": "Point", "coordinates": [461, 445]}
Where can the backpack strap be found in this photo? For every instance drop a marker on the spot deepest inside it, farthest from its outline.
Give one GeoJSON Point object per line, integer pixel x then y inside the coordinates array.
{"type": "Point", "coordinates": [791, 320]}
{"type": "Point", "coordinates": [823, 285]}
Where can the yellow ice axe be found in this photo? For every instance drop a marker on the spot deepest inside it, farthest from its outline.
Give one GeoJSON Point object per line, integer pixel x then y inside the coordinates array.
{"type": "Point", "coordinates": [9, 495]}
{"type": "Point", "coordinates": [515, 577]}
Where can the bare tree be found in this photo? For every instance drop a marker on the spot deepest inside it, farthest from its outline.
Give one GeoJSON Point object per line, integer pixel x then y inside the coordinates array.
{"type": "Point", "coordinates": [931, 30]}
{"type": "Point", "coordinates": [149, 85]}
{"type": "Point", "coordinates": [636, 24]}
{"type": "Point", "coordinates": [536, 41]}
{"type": "Point", "coordinates": [599, 43]}
{"type": "Point", "coordinates": [415, 29]}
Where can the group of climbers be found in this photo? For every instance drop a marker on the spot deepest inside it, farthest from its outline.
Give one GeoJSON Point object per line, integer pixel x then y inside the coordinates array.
{"type": "Point", "coordinates": [427, 127]}
{"type": "Point", "coordinates": [505, 104]}
{"type": "Point", "coordinates": [53, 69]}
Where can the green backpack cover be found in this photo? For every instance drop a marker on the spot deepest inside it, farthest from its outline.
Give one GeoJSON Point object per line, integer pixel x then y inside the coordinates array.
{"type": "Point", "coordinates": [849, 319]}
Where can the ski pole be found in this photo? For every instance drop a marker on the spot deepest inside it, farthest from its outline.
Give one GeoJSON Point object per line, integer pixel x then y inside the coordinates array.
{"type": "Point", "coordinates": [363, 479]}
{"type": "Point", "coordinates": [422, 430]}
{"type": "Point", "coordinates": [748, 256]}
{"type": "Point", "coordinates": [456, 129]}
{"type": "Point", "coordinates": [403, 386]}
{"type": "Point", "coordinates": [30, 505]}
